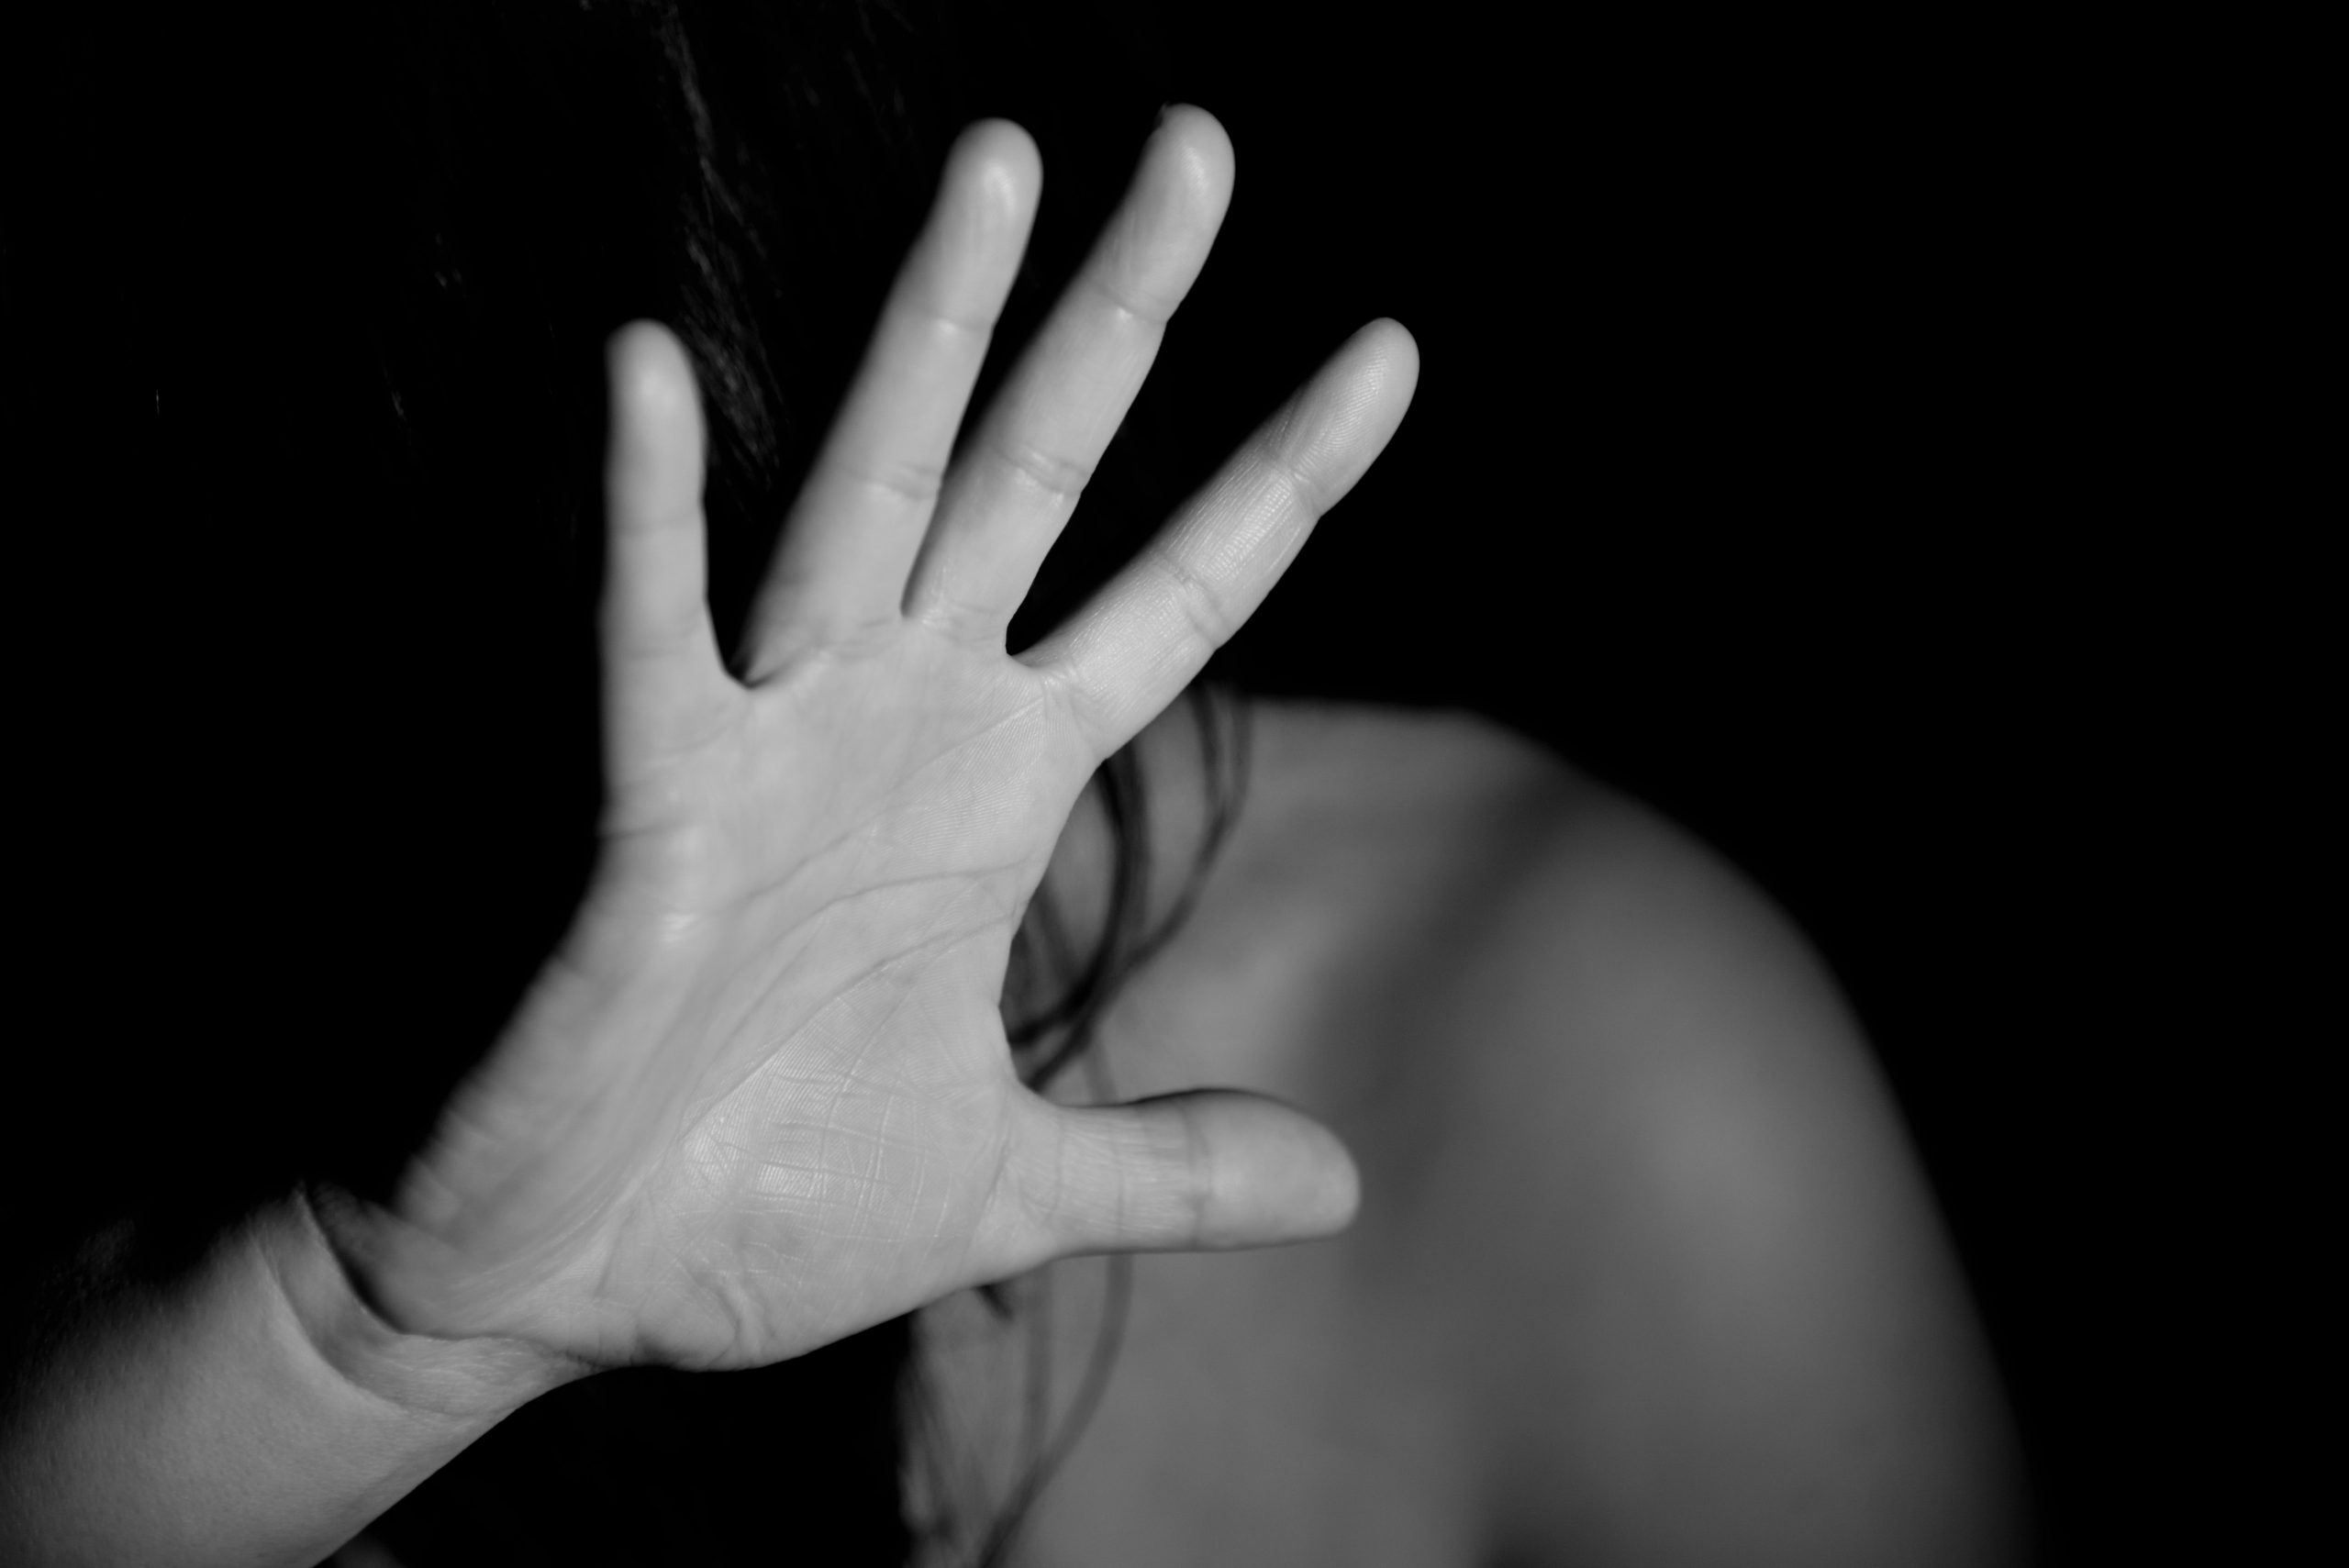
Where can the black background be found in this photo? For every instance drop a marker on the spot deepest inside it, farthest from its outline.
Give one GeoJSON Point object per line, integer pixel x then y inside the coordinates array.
{"type": "Point", "coordinates": [1841, 435]}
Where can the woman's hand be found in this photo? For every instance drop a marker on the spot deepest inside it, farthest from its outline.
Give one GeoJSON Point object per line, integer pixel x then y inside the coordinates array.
{"type": "Point", "coordinates": [761, 1096]}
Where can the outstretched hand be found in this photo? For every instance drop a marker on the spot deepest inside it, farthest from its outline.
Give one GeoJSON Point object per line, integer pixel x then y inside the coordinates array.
{"type": "Point", "coordinates": [761, 1096]}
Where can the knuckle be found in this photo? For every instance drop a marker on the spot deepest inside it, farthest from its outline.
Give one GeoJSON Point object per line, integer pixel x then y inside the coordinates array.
{"type": "Point", "coordinates": [909, 480]}
{"type": "Point", "coordinates": [962, 619]}
{"type": "Point", "coordinates": [1132, 299]}
{"type": "Point", "coordinates": [1116, 1178]}
{"type": "Point", "coordinates": [1060, 477]}
{"type": "Point", "coordinates": [1309, 492]}
{"type": "Point", "coordinates": [1197, 1164]}
{"type": "Point", "coordinates": [1204, 606]}
{"type": "Point", "coordinates": [953, 323]}
{"type": "Point", "coordinates": [1165, 1178]}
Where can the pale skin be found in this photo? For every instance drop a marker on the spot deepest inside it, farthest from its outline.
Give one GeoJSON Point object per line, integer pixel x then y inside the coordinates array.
{"type": "Point", "coordinates": [760, 1097]}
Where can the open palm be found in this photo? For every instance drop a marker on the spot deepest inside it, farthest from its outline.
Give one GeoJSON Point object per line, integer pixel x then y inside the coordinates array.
{"type": "Point", "coordinates": [761, 1096]}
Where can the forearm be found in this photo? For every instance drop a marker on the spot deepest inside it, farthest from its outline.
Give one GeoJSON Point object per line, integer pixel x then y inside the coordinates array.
{"type": "Point", "coordinates": [254, 1413]}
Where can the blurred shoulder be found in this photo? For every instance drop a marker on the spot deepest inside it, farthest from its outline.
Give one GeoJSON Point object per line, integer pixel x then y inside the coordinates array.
{"type": "Point", "coordinates": [1363, 757]}
{"type": "Point", "coordinates": [1350, 798]}
{"type": "Point", "coordinates": [1633, 1182]}
{"type": "Point", "coordinates": [1407, 817]}
{"type": "Point", "coordinates": [1559, 864]}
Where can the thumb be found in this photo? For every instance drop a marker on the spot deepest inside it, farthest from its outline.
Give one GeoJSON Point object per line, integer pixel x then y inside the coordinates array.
{"type": "Point", "coordinates": [1211, 1169]}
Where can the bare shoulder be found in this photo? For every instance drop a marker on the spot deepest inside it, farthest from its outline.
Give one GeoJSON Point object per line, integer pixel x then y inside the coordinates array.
{"type": "Point", "coordinates": [1397, 806]}
{"type": "Point", "coordinates": [1627, 1151]}
{"type": "Point", "coordinates": [1358, 759]}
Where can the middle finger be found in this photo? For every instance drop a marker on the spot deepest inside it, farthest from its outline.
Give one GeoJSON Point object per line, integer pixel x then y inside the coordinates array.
{"type": "Point", "coordinates": [853, 531]}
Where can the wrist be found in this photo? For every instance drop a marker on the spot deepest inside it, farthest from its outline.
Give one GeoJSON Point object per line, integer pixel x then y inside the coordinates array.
{"type": "Point", "coordinates": [464, 1382]}
{"type": "Point", "coordinates": [251, 1410]}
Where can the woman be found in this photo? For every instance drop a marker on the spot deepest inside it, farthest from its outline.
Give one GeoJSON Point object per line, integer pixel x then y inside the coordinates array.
{"type": "Point", "coordinates": [1644, 1274]}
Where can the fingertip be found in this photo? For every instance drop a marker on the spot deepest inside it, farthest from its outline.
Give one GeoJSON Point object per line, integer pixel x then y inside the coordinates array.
{"type": "Point", "coordinates": [1325, 1183]}
{"type": "Point", "coordinates": [1339, 424]}
{"type": "Point", "coordinates": [652, 378]}
{"type": "Point", "coordinates": [1391, 355]}
{"type": "Point", "coordinates": [652, 454]}
{"type": "Point", "coordinates": [1201, 152]}
{"type": "Point", "coordinates": [998, 161]}
{"type": "Point", "coordinates": [1277, 1176]}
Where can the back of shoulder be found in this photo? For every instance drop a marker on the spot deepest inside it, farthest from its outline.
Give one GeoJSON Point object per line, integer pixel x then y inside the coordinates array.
{"type": "Point", "coordinates": [1395, 794]}
{"type": "Point", "coordinates": [1577, 919]}
{"type": "Point", "coordinates": [1554, 895]}
{"type": "Point", "coordinates": [1631, 1162]}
